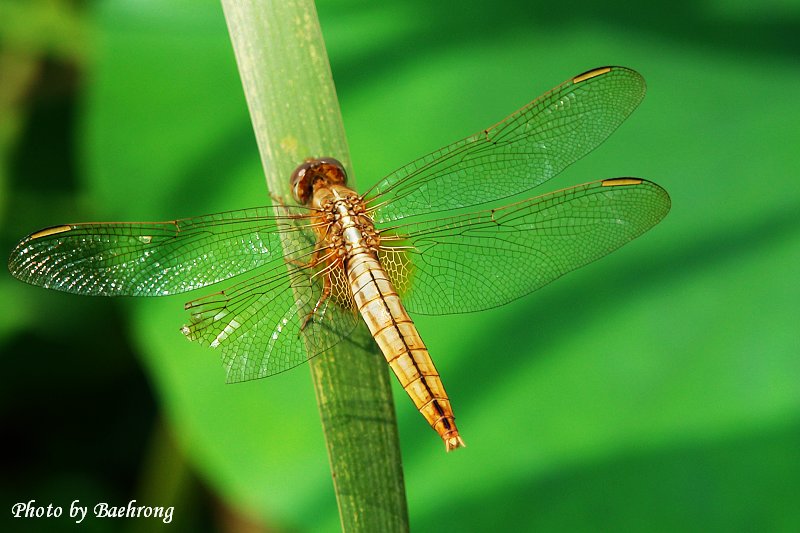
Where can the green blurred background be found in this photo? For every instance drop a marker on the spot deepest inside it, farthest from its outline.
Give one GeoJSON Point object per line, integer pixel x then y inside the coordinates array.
{"type": "Point", "coordinates": [655, 390]}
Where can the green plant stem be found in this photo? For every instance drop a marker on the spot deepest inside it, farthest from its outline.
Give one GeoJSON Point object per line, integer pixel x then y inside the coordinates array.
{"type": "Point", "coordinates": [292, 100]}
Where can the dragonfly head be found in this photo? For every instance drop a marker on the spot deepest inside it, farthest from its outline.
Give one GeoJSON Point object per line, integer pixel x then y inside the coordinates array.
{"type": "Point", "coordinates": [316, 173]}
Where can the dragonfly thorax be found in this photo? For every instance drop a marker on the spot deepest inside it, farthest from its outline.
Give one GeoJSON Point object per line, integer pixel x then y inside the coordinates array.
{"type": "Point", "coordinates": [315, 174]}
{"type": "Point", "coordinates": [348, 229]}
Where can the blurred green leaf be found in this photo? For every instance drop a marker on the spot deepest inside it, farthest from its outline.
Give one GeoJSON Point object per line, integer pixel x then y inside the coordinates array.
{"type": "Point", "coordinates": [38, 27]}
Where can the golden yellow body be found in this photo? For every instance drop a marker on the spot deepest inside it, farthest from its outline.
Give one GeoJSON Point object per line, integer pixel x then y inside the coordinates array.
{"type": "Point", "coordinates": [348, 243]}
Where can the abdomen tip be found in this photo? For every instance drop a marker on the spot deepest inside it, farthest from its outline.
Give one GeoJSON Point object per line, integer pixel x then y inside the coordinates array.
{"type": "Point", "coordinates": [451, 443]}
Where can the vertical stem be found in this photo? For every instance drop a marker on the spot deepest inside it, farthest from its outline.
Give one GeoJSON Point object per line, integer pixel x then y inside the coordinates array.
{"type": "Point", "coordinates": [292, 100]}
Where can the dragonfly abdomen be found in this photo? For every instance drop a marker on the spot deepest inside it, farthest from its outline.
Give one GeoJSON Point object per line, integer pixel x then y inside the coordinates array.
{"type": "Point", "coordinates": [401, 344]}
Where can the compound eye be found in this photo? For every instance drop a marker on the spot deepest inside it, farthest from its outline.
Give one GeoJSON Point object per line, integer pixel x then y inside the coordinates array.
{"type": "Point", "coordinates": [302, 181]}
{"type": "Point", "coordinates": [322, 172]}
{"type": "Point", "coordinates": [334, 170]}
{"type": "Point", "coordinates": [330, 161]}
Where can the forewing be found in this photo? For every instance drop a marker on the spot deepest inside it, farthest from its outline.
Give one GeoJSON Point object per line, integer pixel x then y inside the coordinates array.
{"type": "Point", "coordinates": [521, 152]}
{"type": "Point", "coordinates": [485, 259]}
{"type": "Point", "coordinates": [151, 258]}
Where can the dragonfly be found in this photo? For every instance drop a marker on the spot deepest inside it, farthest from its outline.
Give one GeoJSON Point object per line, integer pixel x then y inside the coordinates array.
{"type": "Point", "coordinates": [419, 241]}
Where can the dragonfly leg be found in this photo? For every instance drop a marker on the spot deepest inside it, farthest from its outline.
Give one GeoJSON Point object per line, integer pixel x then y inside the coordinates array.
{"type": "Point", "coordinates": [284, 208]}
{"type": "Point", "coordinates": [315, 257]}
{"type": "Point", "coordinates": [279, 201]}
{"type": "Point", "coordinates": [318, 257]}
{"type": "Point", "coordinates": [326, 292]}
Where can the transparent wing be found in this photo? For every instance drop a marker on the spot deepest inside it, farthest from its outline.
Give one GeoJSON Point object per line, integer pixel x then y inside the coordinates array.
{"type": "Point", "coordinates": [268, 324]}
{"type": "Point", "coordinates": [263, 325]}
{"type": "Point", "coordinates": [485, 259]}
{"type": "Point", "coordinates": [521, 152]}
{"type": "Point", "coordinates": [151, 258]}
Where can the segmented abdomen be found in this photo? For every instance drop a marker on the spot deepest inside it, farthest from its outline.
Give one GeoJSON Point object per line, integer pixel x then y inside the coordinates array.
{"type": "Point", "coordinates": [395, 333]}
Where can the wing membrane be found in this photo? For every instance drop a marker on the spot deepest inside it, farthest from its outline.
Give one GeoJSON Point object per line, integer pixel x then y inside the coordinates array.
{"type": "Point", "coordinates": [521, 152]}
{"type": "Point", "coordinates": [485, 259]}
{"type": "Point", "coordinates": [151, 258]}
{"type": "Point", "coordinates": [265, 325]}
